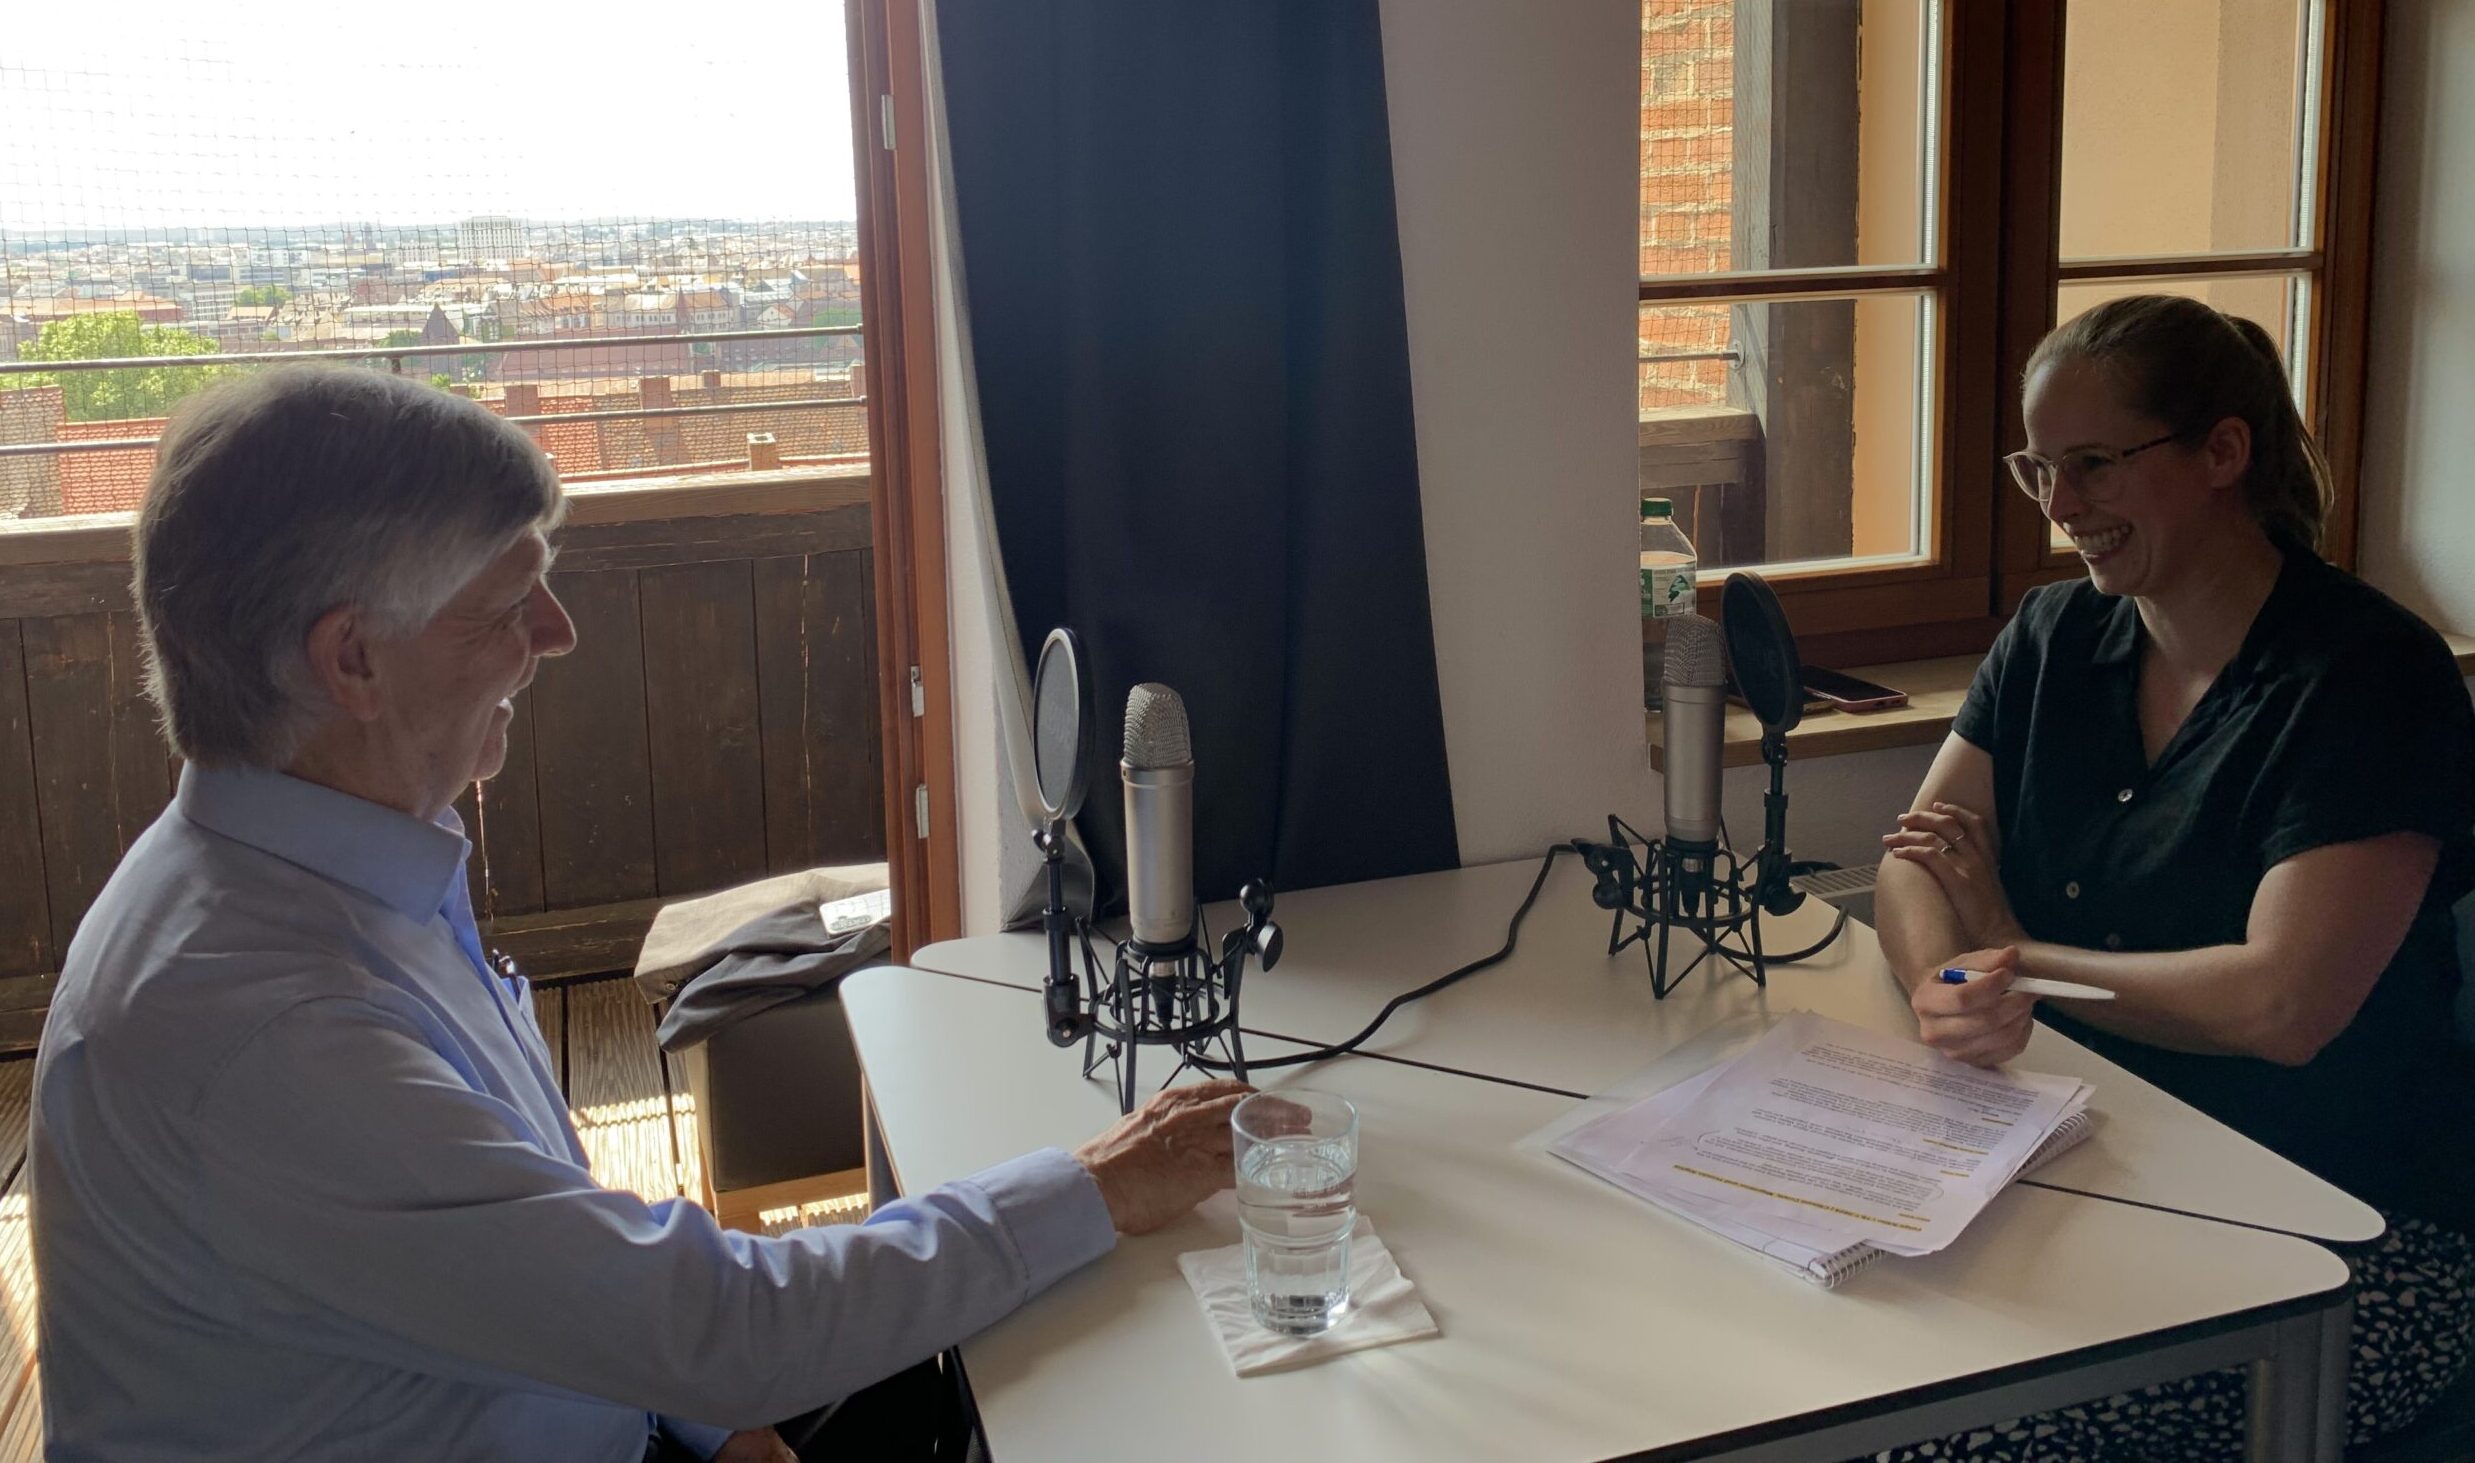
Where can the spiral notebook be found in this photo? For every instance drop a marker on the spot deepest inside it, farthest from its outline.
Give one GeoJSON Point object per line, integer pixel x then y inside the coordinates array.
{"type": "Point", "coordinates": [1606, 1145]}
{"type": "Point", "coordinates": [1827, 1268]}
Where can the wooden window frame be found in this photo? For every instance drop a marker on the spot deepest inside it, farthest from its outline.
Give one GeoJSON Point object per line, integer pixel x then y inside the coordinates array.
{"type": "Point", "coordinates": [897, 300]}
{"type": "Point", "coordinates": [1996, 273]}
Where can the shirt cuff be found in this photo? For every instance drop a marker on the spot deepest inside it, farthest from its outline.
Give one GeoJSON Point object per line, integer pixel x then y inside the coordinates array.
{"type": "Point", "coordinates": [1052, 1210]}
{"type": "Point", "coordinates": [701, 1438]}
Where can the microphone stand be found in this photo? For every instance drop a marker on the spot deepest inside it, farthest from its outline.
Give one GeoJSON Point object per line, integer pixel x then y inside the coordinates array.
{"type": "Point", "coordinates": [1176, 994]}
{"type": "Point", "coordinates": [1773, 866]}
{"type": "Point", "coordinates": [1662, 897]}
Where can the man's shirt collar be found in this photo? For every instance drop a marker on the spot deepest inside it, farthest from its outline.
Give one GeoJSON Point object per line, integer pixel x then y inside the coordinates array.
{"type": "Point", "coordinates": [395, 858]}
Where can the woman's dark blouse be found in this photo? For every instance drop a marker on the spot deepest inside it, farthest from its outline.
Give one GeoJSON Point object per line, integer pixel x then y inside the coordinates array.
{"type": "Point", "coordinates": [2342, 717]}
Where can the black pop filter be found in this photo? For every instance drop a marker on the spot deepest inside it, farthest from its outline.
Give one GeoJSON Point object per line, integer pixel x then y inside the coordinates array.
{"type": "Point", "coordinates": [1761, 653]}
{"type": "Point", "coordinates": [1166, 994]}
{"type": "Point", "coordinates": [1060, 726]}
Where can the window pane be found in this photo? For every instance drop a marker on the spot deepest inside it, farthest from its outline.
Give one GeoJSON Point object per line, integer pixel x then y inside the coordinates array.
{"type": "Point", "coordinates": [2187, 127]}
{"type": "Point", "coordinates": [1830, 165]}
{"type": "Point", "coordinates": [2278, 303]}
{"type": "Point", "coordinates": [190, 190]}
{"type": "Point", "coordinates": [1791, 432]}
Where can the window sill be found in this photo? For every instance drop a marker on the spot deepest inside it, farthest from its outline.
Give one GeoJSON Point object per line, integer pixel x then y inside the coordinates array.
{"type": "Point", "coordinates": [1935, 689]}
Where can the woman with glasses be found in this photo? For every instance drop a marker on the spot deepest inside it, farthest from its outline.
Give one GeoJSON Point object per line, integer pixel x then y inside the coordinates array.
{"type": "Point", "coordinates": [2233, 784]}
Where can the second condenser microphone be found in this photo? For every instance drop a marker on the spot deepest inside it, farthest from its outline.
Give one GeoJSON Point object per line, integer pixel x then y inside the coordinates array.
{"type": "Point", "coordinates": [1693, 689]}
{"type": "Point", "coordinates": [1159, 770]}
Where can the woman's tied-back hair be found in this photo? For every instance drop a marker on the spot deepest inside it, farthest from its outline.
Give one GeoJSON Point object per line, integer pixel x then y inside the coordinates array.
{"type": "Point", "coordinates": [2191, 367]}
{"type": "Point", "coordinates": [281, 496]}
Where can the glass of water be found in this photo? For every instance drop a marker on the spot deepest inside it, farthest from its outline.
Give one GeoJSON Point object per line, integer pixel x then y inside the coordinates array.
{"type": "Point", "coordinates": [1297, 1185]}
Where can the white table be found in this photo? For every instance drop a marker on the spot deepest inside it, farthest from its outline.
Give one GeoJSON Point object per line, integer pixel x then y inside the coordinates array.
{"type": "Point", "coordinates": [1562, 1014]}
{"type": "Point", "coordinates": [1577, 1322]}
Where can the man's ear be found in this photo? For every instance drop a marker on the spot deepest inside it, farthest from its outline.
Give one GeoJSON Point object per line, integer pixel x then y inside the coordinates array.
{"type": "Point", "coordinates": [340, 661]}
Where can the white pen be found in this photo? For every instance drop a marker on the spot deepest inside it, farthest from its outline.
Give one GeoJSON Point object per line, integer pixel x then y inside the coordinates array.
{"type": "Point", "coordinates": [2030, 985]}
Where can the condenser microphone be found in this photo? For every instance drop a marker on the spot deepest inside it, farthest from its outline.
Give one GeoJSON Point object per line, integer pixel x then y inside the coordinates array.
{"type": "Point", "coordinates": [1693, 693]}
{"type": "Point", "coordinates": [1159, 769]}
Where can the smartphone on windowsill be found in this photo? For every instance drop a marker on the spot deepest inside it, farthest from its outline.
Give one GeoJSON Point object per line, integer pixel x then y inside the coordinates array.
{"type": "Point", "coordinates": [1850, 693]}
{"type": "Point", "coordinates": [1814, 705]}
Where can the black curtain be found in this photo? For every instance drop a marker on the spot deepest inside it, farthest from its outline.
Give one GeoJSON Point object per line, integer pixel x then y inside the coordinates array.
{"type": "Point", "coordinates": [1184, 286]}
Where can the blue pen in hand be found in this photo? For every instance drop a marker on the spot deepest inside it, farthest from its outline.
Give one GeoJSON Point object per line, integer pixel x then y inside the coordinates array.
{"type": "Point", "coordinates": [2029, 985]}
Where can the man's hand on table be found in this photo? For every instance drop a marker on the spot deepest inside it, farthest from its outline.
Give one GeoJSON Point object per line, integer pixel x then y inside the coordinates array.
{"type": "Point", "coordinates": [1165, 1157]}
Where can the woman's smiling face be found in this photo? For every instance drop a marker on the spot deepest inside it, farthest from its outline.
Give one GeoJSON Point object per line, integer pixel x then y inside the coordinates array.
{"type": "Point", "coordinates": [2143, 523]}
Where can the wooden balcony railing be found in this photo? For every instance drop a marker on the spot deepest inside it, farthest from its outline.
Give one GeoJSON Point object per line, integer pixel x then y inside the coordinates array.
{"type": "Point", "coordinates": [1707, 460]}
{"type": "Point", "coordinates": [717, 721]}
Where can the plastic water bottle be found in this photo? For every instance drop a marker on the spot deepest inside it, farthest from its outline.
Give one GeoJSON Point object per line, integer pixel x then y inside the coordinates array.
{"type": "Point", "coordinates": [1667, 569]}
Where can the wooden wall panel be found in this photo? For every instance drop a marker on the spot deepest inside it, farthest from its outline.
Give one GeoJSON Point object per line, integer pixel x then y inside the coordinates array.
{"type": "Point", "coordinates": [68, 702]}
{"type": "Point", "coordinates": [816, 676]}
{"type": "Point", "coordinates": [46, 591]}
{"type": "Point", "coordinates": [717, 721]}
{"type": "Point", "coordinates": [25, 912]}
{"type": "Point", "coordinates": [650, 543]}
{"type": "Point", "coordinates": [511, 821]}
{"type": "Point", "coordinates": [596, 792]}
{"type": "Point", "coordinates": [141, 780]}
{"type": "Point", "coordinates": [701, 714]}
{"type": "Point", "coordinates": [780, 586]}
{"type": "Point", "coordinates": [845, 733]}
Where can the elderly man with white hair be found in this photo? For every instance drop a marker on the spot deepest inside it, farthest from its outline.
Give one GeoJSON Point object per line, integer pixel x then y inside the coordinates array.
{"type": "Point", "coordinates": [304, 1187]}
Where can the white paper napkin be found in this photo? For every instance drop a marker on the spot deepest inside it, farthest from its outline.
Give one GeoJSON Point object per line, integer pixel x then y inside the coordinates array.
{"type": "Point", "coordinates": [1383, 1308]}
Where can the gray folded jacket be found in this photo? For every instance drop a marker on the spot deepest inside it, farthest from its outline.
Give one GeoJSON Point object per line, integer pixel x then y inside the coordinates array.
{"type": "Point", "coordinates": [725, 957]}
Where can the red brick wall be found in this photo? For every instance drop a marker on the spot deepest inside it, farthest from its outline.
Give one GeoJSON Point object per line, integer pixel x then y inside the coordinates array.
{"type": "Point", "coordinates": [106, 482]}
{"type": "Point", "coordinates": [1688, 100]}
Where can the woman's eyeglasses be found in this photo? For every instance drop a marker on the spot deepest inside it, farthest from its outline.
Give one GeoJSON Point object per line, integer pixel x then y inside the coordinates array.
{"type": "Point", "coordinates": [2087, 470]}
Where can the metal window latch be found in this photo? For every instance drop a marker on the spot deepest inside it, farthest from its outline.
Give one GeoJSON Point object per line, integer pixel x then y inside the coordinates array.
{"type": "Point", "coordinates": [919, 693]}
{"type": "Point", "coordinates": [885, 118]}
{"type": "Point", "coordinates": [919, 809]}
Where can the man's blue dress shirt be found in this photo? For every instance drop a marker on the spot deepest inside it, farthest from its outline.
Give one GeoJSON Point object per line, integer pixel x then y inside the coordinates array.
{"type": "Point", "coordinates": [304, 1186]}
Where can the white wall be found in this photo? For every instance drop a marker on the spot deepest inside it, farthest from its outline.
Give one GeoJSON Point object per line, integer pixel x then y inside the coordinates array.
{"type": "Point", "coordinates": [980, 823]}
{"type": "Point", "coordinates": [2418, 525]}
{"type": "Point", "coordinates": [1516, 165]}
{"type": "Point", "coordinates": [1516, 169]}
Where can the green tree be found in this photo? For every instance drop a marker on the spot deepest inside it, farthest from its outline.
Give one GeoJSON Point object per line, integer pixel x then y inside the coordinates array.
{"type": "Point", "coordinates": [402, 337]}
{"type": "Point", "coordinates": [130, 391]}
{"type": "Point", "coordinates": [262, 294]}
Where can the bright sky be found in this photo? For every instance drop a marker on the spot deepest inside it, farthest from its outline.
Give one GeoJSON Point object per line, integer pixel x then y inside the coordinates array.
{"type": "Point", "coordinates": [154, 115]}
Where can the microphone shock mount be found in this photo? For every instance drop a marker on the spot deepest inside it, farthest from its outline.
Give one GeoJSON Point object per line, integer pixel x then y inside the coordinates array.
{"type": "Point", "coordinates": [1719, 900]}
{"type": "Point", "coordinates": [1181, 995]}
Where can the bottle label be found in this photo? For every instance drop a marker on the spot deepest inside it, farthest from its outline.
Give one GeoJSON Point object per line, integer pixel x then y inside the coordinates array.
{"type": "Point", "coordinates": [1667, 591]}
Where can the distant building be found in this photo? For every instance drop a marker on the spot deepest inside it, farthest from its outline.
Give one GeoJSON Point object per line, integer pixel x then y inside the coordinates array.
{"type": "Point", "coordinates": [647, 311]}
{"type": "Point", "coordinates": [435, 323]}
{"type": "Point", "coordinates": [490, 236]}
{"type": "Point", "coordinates": [708, 309]}
{"type": "Point", "coordinates": [148, 308]}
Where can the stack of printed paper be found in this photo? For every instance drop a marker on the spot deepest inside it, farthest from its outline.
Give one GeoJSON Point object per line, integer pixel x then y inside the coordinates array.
{"type": "Point", "coordinates": [1825, 1145]}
